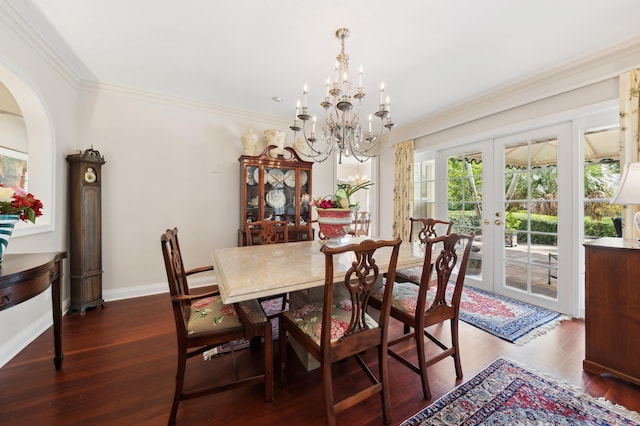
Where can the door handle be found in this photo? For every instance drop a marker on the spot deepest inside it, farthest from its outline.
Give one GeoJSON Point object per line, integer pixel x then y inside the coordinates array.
{"type": "Point", "coordinates": [486, 221]}
{"type": "Point", "coordinates": [498, 222]}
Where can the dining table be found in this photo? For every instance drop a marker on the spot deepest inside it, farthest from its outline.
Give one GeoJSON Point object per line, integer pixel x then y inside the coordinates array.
{"type": "Point", "coordinates": [251, 272]}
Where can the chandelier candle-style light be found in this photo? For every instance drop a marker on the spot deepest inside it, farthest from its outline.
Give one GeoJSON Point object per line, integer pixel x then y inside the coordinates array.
{"type": "Point", "coordinates": [341, 130]}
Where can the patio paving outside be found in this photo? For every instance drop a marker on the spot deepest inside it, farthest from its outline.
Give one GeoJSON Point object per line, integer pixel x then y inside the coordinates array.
{"type": "Point", "coordinates": [543, 265]}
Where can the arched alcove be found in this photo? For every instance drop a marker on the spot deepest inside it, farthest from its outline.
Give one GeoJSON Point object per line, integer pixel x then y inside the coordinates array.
{"type": "Point", "coordinates": [41, 144]}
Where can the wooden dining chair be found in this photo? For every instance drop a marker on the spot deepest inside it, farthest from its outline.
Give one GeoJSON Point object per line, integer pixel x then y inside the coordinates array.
{"type": "Point", "coordinates": [361, 223]}
{"type": "Point", "coordinates": [266, 232]}
{"type": "Point", "coordinates": [308, 235]}
{"type": "Point", "coordinates": [339, 327]}
{"type": "Point", "coordinates": [417, 307]}
{"type": "Point", "coordinates": [203, 322]}
{"type": "Point", "coordinates": [269, 232]}
{"type": "Point", "coordinates": [429, 228]}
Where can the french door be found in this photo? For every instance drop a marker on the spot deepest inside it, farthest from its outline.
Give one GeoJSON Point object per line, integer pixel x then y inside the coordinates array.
{"type": "Point", "coordinates": [507, 191]}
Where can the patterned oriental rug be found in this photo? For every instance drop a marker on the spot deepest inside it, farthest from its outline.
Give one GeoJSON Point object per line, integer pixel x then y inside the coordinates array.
{"type": "Point", "coordinates": [509, 319]}
{"type": "Point", "coordinates": [506, 393]}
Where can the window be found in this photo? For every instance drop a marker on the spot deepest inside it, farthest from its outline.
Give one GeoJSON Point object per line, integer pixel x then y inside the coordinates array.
{"type": "Point", "coordinates": [601, 177]}
{"type": "Point", "coordinates": [424, 203]}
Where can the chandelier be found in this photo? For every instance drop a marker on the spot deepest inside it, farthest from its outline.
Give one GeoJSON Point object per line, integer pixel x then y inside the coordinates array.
{"type": "Point", "coordinates": [341, 130]}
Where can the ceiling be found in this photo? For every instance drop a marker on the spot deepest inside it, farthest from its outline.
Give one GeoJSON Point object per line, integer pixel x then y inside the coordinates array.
{"type": "Point", "coordinates": [431, 54]}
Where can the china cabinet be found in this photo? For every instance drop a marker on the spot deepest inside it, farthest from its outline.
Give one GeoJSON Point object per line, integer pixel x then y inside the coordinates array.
{"type": "Point", "coordinates": [275, 187]}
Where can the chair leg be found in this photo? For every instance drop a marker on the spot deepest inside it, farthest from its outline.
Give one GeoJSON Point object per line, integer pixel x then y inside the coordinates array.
{"type": "Point", "coordinates": [327, 385]}
{"type": "Point", "coordinates": [268, 362]}
{"type": "Point", "coordinates": [456, 347]}
{"type": "Point", "coordinates": [422, 363]}
{"type": "Point", "coordinates": [282, 353]}
{"type": "Point", "coordinates": [182, 364]}
{"type": "Point", "coordinates": [384, 378]}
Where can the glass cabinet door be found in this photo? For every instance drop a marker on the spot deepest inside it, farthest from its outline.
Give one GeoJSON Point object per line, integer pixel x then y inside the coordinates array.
{"type": "Point", "coordinates": [252, 207]}
{"type": "Point", "coordinates": [305, 197]}
{"type": "Point", "coordinates": [275, 194]}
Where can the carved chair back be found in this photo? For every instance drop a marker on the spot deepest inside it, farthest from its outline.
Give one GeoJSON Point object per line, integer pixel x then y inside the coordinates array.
{"type": "Point", "coordinates": [430, 228]}
{"type": "Point", "coordinates": [268, 232]}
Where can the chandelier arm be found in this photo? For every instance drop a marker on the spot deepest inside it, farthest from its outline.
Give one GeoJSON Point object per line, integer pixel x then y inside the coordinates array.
{"type": "Point", "coordinates": [321, 155]}
{"type": "Point", "coordinates": [375, 141]}
{"type": "Point", "coordinates": [373, 145]}
{"type": "Point", "coordinates": [360, 159]}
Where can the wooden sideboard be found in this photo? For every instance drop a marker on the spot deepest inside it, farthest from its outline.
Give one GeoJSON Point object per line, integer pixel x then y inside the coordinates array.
{"type": "Point", "coordinates": [612, 308]}
{"type": "Point", "coordinates": [23, 276]}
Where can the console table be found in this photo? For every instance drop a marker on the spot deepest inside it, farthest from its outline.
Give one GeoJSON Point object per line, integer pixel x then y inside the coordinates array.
{"type": "Point", "coordinates": [612, 308]}
{"type": "Point", "coordinates": [23, 276]}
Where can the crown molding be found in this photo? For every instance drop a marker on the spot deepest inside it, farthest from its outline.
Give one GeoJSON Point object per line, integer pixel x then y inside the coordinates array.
{"type": "Point", "coordinates": [236, 113]}
{"type": "Point", "coordinates": [10, 15]}
{"type": "Point", "coordinates": [605, 64]}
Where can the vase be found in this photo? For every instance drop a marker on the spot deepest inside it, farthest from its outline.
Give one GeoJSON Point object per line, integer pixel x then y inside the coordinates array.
{"type": "Point", "coordinates": [7, 222]}
{"type": "Point", "coordinates": [334, 223]}
{"type": "Point", "coordinates": [249, 141]}
{"type": "Point", "coordinates": [275, 137]}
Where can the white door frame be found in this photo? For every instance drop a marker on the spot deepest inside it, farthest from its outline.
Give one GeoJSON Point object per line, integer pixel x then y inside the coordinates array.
{"type": "Point", "coordinates": [566, 289]}
{"type": "Point", "coordinates": [485, 279]}
{"type": "Point", "coordinates": [492, 274]}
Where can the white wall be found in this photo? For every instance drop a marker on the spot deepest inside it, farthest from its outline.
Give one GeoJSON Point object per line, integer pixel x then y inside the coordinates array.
{"type": "Point", "coordinates": [169, 162]}
{"type": "Point", "coordinates": [37, 82]}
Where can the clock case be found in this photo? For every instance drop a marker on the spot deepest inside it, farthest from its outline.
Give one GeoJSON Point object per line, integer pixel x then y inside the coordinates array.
{"type": "Point", "coordinates": [85, 230]}
{"type": "Point", "coordinates": [276, 187]}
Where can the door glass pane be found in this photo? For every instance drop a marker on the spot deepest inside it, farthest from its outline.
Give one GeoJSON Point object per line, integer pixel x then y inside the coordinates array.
{"type": "Point", "coordinates": [465, 193]}
{"type": "Point", "coordinates": [464, 208]}
{"type": "Point", "coordinates": [531, 216]}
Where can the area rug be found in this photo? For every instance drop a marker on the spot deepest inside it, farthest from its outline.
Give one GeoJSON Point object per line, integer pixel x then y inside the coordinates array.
{"type": "Point", "coordinates": [509, 319]}
{"type": "Point", "coordinates": [506, 393]}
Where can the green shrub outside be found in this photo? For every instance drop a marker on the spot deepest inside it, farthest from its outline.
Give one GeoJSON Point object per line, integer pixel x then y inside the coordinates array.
{"type": "Point", "coordinates": [599, 228]}
{"type": "Point", "coordinates": [539, 223]}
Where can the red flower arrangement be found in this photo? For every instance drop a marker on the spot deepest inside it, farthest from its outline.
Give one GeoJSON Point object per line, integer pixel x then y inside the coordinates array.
{"type": "Point", "coordinates": [16, 200]}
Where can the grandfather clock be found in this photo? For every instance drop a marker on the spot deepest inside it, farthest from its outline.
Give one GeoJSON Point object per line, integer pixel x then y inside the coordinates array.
{"type": "Point", "coordinates": [85, 225]}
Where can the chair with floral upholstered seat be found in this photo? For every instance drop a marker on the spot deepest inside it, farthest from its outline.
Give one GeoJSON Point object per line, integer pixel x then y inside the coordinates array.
{"type": "Point", "coordinates": [429, 228]}
{"type": "Point", "coordinates": [349, 330]}
{"type": "Point", "coordinates": [203, 322]}
{"type": "Point", "coordinates": [418, 307]}
{"type": "Point", "coordinates": [268, 232]}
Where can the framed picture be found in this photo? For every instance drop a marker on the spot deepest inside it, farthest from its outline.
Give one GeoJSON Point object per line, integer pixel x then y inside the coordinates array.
{"type": "Point", "coordinates": [13, 168]}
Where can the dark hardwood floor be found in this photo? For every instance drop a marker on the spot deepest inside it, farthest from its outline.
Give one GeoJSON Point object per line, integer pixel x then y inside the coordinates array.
{"type": "Point", "coordinates": [120, 364]}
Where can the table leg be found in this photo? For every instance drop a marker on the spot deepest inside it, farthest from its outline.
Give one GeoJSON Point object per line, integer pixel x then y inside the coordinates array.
{"type": "Point", "coordinates": [57, 315]}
